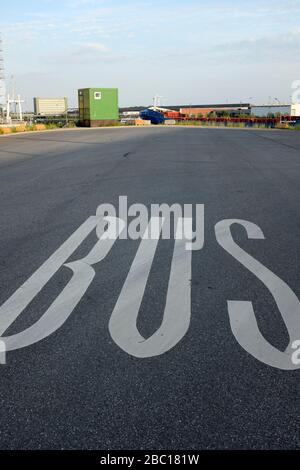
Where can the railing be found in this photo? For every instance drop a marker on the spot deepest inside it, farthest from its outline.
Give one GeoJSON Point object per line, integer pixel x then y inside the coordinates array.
{"type": "Point", "coordinates": [268, 121]}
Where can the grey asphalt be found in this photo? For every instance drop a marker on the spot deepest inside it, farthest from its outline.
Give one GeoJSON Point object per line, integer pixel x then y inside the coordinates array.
{"type": "Point", "coordinates": [77, 389]}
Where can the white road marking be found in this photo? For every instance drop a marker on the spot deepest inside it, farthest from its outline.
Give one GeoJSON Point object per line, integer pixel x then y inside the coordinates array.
{"type": "Point", "coordinates": [64, 304]}
{"type": "Point", "coordinates": [242, 317]}
{"type": "Point", "coordinates": [2, 352]}
{"type": "Point", "coordinates": [177, 313]}
{"type": "Point", "coordinates": [296, 354]}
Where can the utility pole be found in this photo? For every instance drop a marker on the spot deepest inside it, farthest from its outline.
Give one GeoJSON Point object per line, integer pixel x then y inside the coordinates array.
{"type": "Point", "coordinates": [2, 79]}
{"type": "Point", "coordinates": [17, 102]}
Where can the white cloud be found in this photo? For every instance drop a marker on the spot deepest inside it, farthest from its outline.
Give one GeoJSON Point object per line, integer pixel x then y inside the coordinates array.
{"type": "Point", "coordinates": [191, 40]}
{"type": "Point", "coordinates": [93, 47]}
{"type": "Point", "coordinates": [272, 48]}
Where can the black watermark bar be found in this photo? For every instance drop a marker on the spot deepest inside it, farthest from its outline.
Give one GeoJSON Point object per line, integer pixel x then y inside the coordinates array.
{"type": "Point", "coordinates": [138, 458]}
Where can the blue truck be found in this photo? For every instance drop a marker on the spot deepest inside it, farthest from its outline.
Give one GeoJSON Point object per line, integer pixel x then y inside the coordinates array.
{"type": "Point", "coordinates": [154, 116]}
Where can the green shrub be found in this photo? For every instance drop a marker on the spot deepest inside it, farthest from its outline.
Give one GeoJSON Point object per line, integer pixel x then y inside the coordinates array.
{"type": "Point", "coordinates": [52, 125]}
{"type": "Point", "coordinates": [71, 125]}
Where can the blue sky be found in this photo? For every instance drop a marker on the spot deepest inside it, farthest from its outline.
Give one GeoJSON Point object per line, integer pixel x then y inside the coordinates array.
{"type": "Point", "coordinates": [188, 52]}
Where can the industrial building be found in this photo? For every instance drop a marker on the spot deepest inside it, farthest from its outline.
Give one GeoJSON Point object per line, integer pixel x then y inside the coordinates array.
{"type": "Point", "coordinates": [199, 109]}
{"type": "Point", "coordinates": [206, 109]}
{"type": "Point", "coordinates": [98, 106]}
{"type": "Point", "coordinates": [50, 106]}
{"type": "Point", "coordinates": [275, 110]}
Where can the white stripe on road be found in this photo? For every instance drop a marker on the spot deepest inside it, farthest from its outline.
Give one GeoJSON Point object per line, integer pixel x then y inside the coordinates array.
{"type": "Point", "coordinates": [177, 313]}
{"type": "Point", "coordinates": [64, 304]}
{"type": "Point", "coordinates": [242, 317]}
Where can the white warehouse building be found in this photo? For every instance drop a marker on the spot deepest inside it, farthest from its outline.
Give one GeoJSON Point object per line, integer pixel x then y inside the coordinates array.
{"type": "Point", "coordinates": [275, 109]}
{"type": "Point", "coordinates": [50, 106]}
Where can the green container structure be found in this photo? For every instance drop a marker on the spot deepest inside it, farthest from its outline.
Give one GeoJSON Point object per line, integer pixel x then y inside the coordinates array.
{"type": "Point", "coordinates": [98, 106]}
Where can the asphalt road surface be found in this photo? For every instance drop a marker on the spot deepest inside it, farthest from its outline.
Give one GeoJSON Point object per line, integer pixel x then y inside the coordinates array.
{"type": "Point", "coordinates": [77, 388]}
